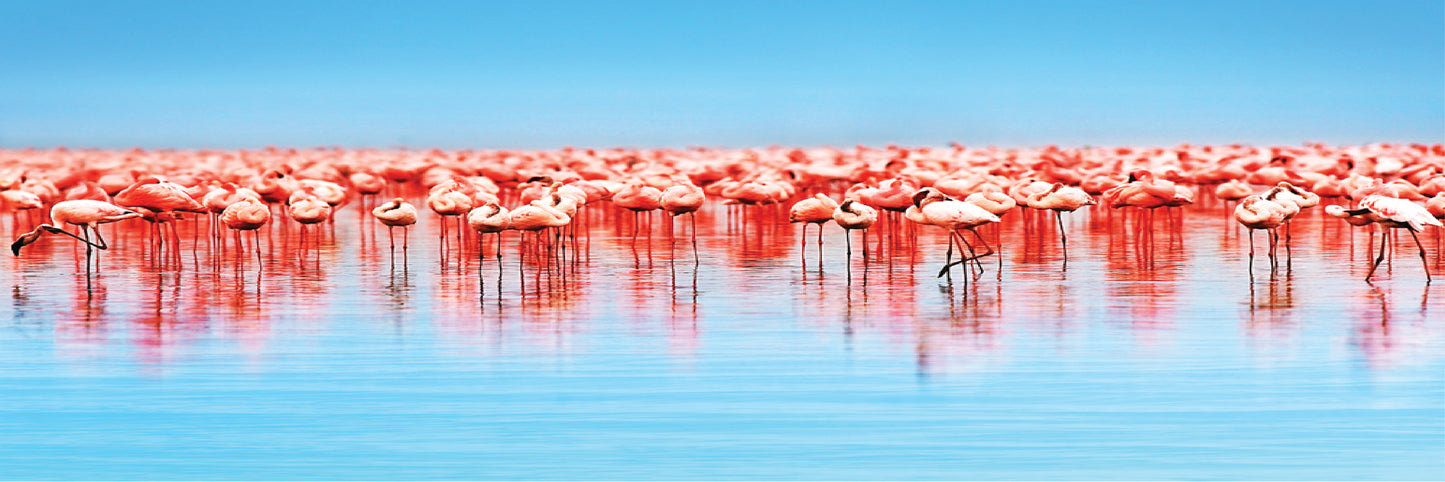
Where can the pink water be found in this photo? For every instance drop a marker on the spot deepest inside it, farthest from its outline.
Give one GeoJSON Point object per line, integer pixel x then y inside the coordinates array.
{"type": "Point", "coordinates": [621, 358]}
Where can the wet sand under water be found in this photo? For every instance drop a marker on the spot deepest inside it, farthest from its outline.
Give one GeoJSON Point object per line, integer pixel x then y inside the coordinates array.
{"type": "Point", "coordinates": [1145, 358]}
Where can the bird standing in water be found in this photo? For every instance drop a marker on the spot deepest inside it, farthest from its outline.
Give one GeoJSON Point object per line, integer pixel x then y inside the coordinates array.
{"type": "Point", "coordinates": [684, 198]}
{"type": "Point", "coordinates": [814, 210]}
{"type": "Point", "coordinates": [396, 213]}
{"type": "Point", "coordinates": [248, 214]}
{"type": "Point", "coordinates": [87, 214]}
{"type": "Point", "coordinates": [1255, 212]}
{"type": "Point", "coordinates": [938, 209]}
{"type": "Point", "coordinates": [1060, 199]}
{"type": "Point", "coordinates": [1390, 212]}
{"type": "Point", "coordinates": [853, 215]}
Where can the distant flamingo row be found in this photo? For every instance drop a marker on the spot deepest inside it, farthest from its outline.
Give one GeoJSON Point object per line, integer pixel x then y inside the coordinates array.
{"type": "Point", "coordinates": [956, 189]}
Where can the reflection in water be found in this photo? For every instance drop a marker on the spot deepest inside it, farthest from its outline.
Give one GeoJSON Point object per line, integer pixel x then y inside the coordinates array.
{"type": "Point", "coordinates": [493, 350]}
{"type": "Point", "coordinates": [1142, 270]}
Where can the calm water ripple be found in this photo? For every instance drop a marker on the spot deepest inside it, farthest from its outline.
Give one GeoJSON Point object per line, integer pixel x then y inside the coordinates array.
{"type": "Point", "coordinates": [1136, 361]}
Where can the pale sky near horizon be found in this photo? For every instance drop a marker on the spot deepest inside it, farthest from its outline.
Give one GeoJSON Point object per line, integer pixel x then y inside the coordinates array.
{"type": "Point", "coordinates": [556, 73]}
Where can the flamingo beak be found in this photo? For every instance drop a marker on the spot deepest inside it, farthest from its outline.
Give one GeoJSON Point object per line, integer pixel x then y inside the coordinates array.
{"type": "Point", "coordinates": [23, 241]}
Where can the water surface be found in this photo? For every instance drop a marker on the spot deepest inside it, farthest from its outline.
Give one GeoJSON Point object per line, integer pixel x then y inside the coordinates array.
{"type": "Point", "coordinates": [1143, 358]}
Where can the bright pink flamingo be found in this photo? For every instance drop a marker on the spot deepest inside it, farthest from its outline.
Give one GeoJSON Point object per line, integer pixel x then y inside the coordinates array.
{"type": "Point", "coordinates": [159, 201]}
{"type": "Point", "coordinates": [247, 214]}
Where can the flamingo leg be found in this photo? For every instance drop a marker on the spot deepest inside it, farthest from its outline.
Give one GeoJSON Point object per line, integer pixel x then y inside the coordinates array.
{"type": "Point", "coordinates": [1424, 263]}
{"type": "Point", "coordinates": [803, 247]}
{"type": "Point", "coordinates": [1063, 238]}
{"type": "Point", "coordinates": [947, 261]}
{"type": "Point", "coordinates": [820, 247]}
{"type": "Point", "coordinates": [1251, 251]}
{"type": "Point", "coordinates": [1273, 249]}
{"type": "Point", "coordinates": [948, 255]}
{"type": "Point", "coordinates": [964, 259]}
{"type": "Point", "coordinates": [1378, 259]}
{"type": "Point", "coordinates": [100, 239]}
{"type": "Point", "coordinates": [89, 249]}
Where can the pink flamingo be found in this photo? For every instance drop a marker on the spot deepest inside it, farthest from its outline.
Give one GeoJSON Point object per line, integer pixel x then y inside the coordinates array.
{"type": "Point", "coordinates": [393, 214]}
{"type": "Point", "coordinates": [88, 214]}
{"type": "Point", "coordinates": [1391, 212]}
{"type": "Point", "coordinates": [1255, 212]}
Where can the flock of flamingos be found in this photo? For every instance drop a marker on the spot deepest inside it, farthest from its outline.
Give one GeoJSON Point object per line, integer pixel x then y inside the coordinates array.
{"type": "Point", "coordinates": [1398, 187]}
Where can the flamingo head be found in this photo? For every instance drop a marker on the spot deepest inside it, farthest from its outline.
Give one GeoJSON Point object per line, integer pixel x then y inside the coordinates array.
{"type": "Point", "coordinates": [926, 195]}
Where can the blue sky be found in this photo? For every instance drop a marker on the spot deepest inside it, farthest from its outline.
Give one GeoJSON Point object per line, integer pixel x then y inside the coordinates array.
{"type": "Point", "coordinates": [552, 73]}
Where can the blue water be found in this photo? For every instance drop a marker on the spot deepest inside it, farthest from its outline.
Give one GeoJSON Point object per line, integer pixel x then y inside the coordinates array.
{"type": "Point", "coordinates": [743, 366]}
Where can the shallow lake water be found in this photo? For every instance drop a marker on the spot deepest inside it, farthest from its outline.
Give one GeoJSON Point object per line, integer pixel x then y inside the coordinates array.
{"type": "Point", "coordinates": [1155, 353]}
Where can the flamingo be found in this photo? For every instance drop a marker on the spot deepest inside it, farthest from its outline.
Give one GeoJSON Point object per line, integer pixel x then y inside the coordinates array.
{"type": "Point", "coordinates": [490, 218]}
{"type": "Point", "coordinates": [814, 210]}
{"type": "Point", "coordinates": [449, 199]}
{"type": "Point", "coordinates": [307, 208]}
{"type": "Point", "coordinates": [217, 200]}
{"type": "Point", "coordinates": [394, 213]}
{"type": "Point", "coordinates": [86, 190]}
{"type": "Point", "coordinates": [1256, 212]}
{"type": "Point", "coordinates": [536, 216]}
{"type": "Point", "coordinates": [1296, 199]}
{"type": "Point", "coordinates": [366, 184]}
{"type": "Point", "coordinates": [158, 201]}
{"type": "Point", "coordinates": [247, 214]}
{"type": "Point", "coordinates": [88, 214]}
{"type": "Point", "coordinates": [1060, 199]}
{"type": "Point", "coordinates": [853, 215]}
{"type": "Point", "coordinates": [1232, 190]}
{"type": "Point", "coordinates": [1390, 212]}
{"type": "Point", "coordinates": [684, 198]}
{"type": "Point", "coordinates": [15, 200]}
{"type": "Point", "coordinates": [639, 198]}
{"type": "Point", "coordinates": [938, 209]}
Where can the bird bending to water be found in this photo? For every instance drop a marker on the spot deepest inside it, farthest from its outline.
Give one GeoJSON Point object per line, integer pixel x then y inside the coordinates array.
{"type": "Point", "coordinates": [1392, 213]}
{"type": "Point", "coordinates": [88, 214]}
{"type": "Point", "coordinates": [937, 209]}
